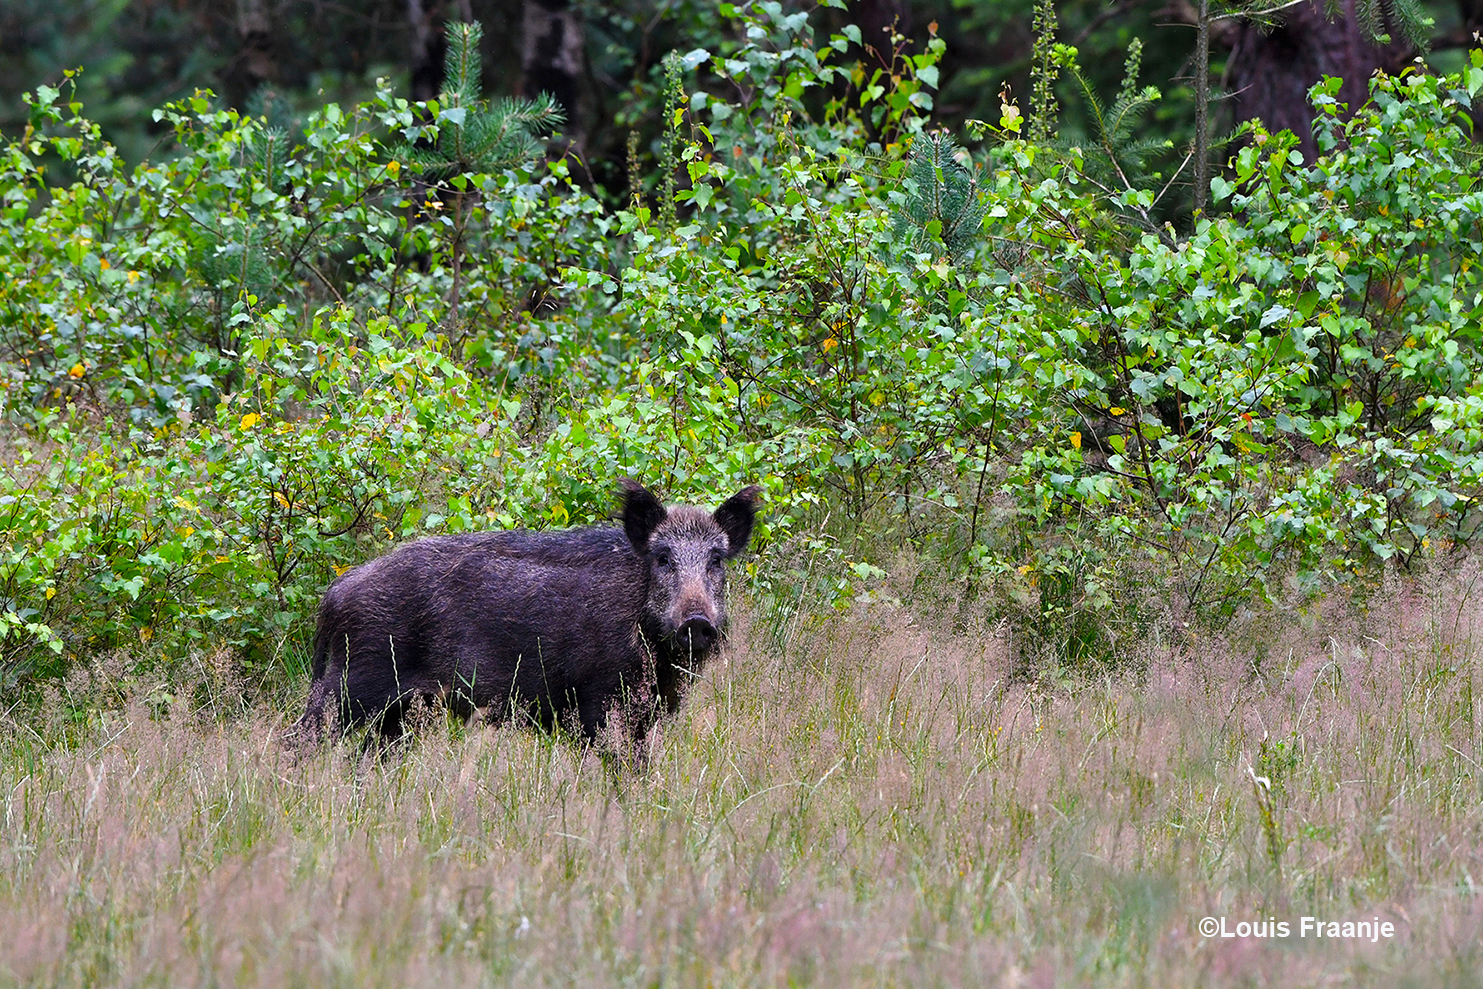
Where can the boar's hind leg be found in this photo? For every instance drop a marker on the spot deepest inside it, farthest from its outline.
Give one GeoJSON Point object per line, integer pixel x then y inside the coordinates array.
{"type": "Point", "coordinates": [389, 721]}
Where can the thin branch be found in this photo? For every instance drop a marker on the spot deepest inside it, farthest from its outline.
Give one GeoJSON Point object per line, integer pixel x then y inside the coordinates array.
{"type": "Point", "coordinates": [1116, 10]}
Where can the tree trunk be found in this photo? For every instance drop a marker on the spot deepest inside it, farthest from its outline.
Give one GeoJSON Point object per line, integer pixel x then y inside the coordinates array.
{"type": "Point", "coordinates": [429, 47]}
{"type": "Point", "coordinates": [1471, 32]}
{"type": "Point", "coordinates": [254, 63]}
{"type": "Point", "coordinates": [425, 61]}
{"type": "Point", "coordinates": [1271, 71]}
{"type": "Point", "coordinates": [554, 60]}
{"type": "Point", "coordinates": [1471, 14]}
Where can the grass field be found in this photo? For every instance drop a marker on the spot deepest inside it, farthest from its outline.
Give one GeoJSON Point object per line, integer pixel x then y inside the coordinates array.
{"type": "Point", "coordinates": [870, 801]}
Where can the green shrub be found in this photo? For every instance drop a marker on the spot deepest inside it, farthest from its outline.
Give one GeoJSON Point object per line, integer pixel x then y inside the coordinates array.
{"type": "Point", "coordinates": [1277, 391]}
{"type": "Point", "coordinates": [234, 371]}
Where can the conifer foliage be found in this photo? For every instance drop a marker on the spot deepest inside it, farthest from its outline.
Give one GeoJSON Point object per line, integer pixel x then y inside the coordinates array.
{"type": "Point", "coordinates": [942, 209]}
{"type": "Point", "coordinates": [1377, 18]}
{"type": "Point", "coordinates": [1119, 156]}
{"type": "Point", "coordinates": [474, 136]}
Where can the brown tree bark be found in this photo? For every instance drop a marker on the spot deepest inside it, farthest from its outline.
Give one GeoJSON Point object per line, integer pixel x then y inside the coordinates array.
{"type": "Point", "coordinates": [1270, 71]}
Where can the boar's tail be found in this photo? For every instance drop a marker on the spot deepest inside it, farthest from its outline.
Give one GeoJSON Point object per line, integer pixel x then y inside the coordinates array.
{"type": "Point", "coordinates": [311, 726]}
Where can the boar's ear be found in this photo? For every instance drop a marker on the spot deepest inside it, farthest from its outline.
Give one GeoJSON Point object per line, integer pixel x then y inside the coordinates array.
{"type": "Point", "coordinates": [642, 514]}
{"type": "Point", "coordinates": [735, 517]}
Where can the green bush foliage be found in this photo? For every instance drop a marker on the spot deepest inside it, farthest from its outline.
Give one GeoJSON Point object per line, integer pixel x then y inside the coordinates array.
{"type": "Point", "coordinates": [235, 370]}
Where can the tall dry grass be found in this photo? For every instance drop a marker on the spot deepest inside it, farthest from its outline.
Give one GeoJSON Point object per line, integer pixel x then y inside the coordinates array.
{"type": "Point", "coordinates": [871, 803]}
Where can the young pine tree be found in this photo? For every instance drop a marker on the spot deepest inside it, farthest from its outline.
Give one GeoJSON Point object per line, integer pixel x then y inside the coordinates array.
{"type": "Point", "coordinates": [475, 137]}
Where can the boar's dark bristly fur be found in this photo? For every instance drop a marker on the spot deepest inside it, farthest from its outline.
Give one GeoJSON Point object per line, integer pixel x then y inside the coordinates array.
{"type": "Point", "coordinates": [563, 627]}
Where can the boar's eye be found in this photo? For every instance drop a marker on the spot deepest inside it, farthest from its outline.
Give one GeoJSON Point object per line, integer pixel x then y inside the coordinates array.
{"type": "Point", "coordinates": [662, 558]}
{"type": "Point", "coordinates": [718, 557]}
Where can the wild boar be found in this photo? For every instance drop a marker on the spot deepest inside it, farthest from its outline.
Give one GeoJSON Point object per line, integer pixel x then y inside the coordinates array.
{"type": "Point", "coordinates": [564, 627]}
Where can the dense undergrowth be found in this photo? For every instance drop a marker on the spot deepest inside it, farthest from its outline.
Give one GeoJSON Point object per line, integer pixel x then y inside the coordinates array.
{"type": "Point", "coordinates": [266, 355]}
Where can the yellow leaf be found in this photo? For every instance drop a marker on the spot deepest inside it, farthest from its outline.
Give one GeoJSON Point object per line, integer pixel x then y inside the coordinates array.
{"type": "Point", "coordinates": [77, 370]}
{"type": "Point", "coordinates": [103, 263]}
{"type": "Point", "coordinates": [1009, 116]}
{"type": "Point", "coordinates": [146, 633]}
{"type": "Point", "coordinates": [51, 592]}
{"type": "Point", "coordinates": [1117, 410]}
{"type": "Point", "coordinates": [393, 168]}
{"type": "Point", "coordinates": [250, 420]}
{"type": "Point", "coordinates": [829, 344]}
{"type": "Point", "coordinates": [278, 497]}
{"type": "Point", "coordinates": [1076, 440]}
{"type": "Point", "coordinates": [133, 277]}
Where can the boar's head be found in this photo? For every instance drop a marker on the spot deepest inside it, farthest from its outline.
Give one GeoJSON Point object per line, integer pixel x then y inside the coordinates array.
{"type": "Point", "coordinates": [685, 551]}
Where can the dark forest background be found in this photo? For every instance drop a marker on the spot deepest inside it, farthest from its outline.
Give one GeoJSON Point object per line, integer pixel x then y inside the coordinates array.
{"type": "Point", "coordinates": [603, 60]}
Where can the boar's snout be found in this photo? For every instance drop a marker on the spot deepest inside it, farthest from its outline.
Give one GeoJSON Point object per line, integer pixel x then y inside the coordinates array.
{"type": "Point", "coordinates": [698, 632]}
